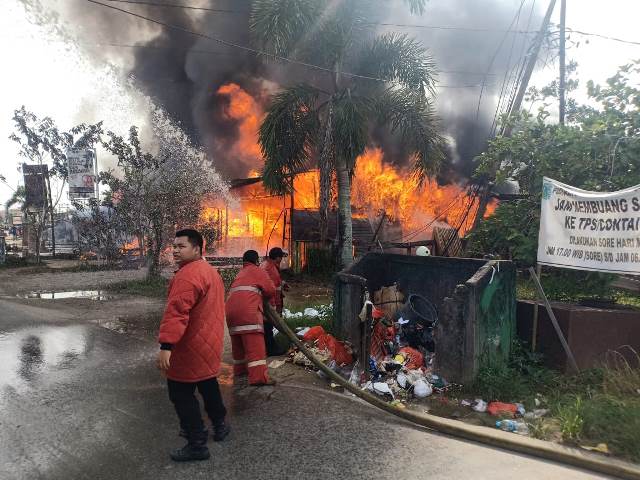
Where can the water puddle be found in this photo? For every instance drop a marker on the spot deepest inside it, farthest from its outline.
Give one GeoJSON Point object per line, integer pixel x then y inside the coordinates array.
{"type": "Point", "coordinates": [34, 356]}
{"type": "Point", "coordinates": [88, 294]}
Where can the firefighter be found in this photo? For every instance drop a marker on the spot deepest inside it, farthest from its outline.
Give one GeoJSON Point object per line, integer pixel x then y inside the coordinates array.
{"type": "Point", "coordinates": [272, 267]}
{"type": "Point", "coordinates": [245, 319]}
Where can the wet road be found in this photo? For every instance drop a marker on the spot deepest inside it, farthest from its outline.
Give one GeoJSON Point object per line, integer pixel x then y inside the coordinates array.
{"type": "Point", "coordinates": [78, 401]}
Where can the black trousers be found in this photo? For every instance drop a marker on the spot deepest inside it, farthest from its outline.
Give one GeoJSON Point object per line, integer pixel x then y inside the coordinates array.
{"type": "Point", "coordinates": [269, 341]}
{"type": "Point", "coordinates": [182, 395]}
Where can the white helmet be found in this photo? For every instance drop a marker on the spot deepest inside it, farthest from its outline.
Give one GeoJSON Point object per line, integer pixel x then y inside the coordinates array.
{"type": "Point", "coordinates": [423, 251]}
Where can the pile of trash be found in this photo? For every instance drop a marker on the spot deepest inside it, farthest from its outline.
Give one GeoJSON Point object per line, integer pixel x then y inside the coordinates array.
{"type": "Point", "coordinates": [400, 353]}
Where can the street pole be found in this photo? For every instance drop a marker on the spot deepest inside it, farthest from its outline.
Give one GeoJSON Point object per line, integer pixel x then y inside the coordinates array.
{"type": "Point", "coordinates": [563, 67]}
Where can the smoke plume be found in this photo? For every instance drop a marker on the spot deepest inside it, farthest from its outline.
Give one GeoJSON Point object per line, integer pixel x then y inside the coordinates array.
{"type": "Point", "coordinates": [183, 73]}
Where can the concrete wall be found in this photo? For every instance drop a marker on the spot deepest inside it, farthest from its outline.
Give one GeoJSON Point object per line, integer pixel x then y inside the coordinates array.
{"type": "Point", "coordinates": [475, 301]}
{"type": "Point", "coordinates": [590, 332]}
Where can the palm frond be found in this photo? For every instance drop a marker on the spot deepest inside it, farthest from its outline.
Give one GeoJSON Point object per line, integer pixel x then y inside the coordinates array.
{"type": "Point", "coordinates": [350, 132]}
{"type": "Point", "coordinates": [278, 26]}
{"type": "Point", "coordinates": [411, 115]}
{"type": "Point", "coordinates": [399, 58]}
{"type": "Point", "coordinates": [416, 6]}
{"type": "Point", "coordinates": [287, 135]}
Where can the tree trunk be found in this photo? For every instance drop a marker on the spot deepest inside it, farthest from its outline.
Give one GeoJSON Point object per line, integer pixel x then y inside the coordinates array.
{"type": "Point", "coordinates": [52, 217]}
{"type": "Point", "coordinates": [326, 156]}
{"type": "Point", "coordinates": [141, 246]}
{"type": "Point", "coordinates": [345, 239]}
{"type": "Point", "coordinates": [156, 250]}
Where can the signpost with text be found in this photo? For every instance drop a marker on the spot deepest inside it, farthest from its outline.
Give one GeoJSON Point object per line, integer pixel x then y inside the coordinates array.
{"type": "Point", "coordinates": [589, 230]}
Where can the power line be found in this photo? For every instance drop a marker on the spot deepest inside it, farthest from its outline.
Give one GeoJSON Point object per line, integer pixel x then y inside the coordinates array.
{"type": "Point", "coordinates": [253, 50]}
{"type": "Point", "coordinates": [235, 45]}
{"type": "Point", "coordinates": [174, 5]}
{"type": "Point", "coordinates": [493, 58]}
{"type": "Point", "coordinates": [605, 37]}
{"type": "Point", "coordinates": [214, 52]}
{"type": "Point", "coordinates": [382, 24]}
{"type": "Point", "coordinates": [507, 75]}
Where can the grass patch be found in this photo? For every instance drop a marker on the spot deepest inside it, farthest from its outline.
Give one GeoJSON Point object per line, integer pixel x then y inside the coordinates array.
{"type": "Point", "coordinates": [600, 405]}
{"type": "Point", "coordinates": [325, 319]}
{"type": "Point", "coordinates": [154, 287]}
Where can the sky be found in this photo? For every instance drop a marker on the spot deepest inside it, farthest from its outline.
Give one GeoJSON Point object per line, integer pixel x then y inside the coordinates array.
{"type": "Point", "coordinates": [51, 77]}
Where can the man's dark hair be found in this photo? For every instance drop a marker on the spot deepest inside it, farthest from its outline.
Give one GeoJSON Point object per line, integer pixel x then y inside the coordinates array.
{"type": "Point", "coordinates": [250, 256]}
{"type": "Point", "coordinates": [276, 252]}
{"type": "Point", "coordinates": [194, 236]}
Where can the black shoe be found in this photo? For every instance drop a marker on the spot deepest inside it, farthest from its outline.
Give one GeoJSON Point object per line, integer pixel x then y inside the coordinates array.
{"type": "Point", "coordinates": [190, 453]}
{"type": "Point", "coordinates": [220, 432]}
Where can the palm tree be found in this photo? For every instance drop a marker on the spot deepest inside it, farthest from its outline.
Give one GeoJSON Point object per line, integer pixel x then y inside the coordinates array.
{"type": "Point", "coordinates": [363, 80]}
{"type": "Point", "coordinates": [19, 196]}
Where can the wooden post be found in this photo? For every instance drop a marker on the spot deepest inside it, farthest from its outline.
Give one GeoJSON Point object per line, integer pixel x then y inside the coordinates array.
{"type": "Point", "coordinates": [554, 320]}
{"type": "Point", "coordinates": [366, 340]}
{"type": "Point", "coordinates": [534, 333]}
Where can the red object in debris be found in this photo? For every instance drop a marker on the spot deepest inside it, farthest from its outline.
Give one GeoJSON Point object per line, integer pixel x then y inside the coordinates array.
{"type": "Point", "coordinates": [377, 313]}
{"type": "Point", "coordinates": [338, 351]}
{"type": "Point", "coordinates": [414, 358]}
{"type": "Point", "coordinates": [313, 333]}
{"type": "Point", "coordinates": [499, 408]}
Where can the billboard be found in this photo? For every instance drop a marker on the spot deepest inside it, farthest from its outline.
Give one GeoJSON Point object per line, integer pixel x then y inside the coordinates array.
{"type": "Point", "coordinates": [81, 163]}
{"type": "Point", "coordinates": [583, 230]}
{"type": "Point", "coordinates": [35, 185]}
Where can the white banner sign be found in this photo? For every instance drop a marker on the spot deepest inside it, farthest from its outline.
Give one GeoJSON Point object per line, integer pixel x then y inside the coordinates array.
{"type": "Point", "coordinates": [82, 176]}
{"type": "Point", "coordinates": [589, 230]}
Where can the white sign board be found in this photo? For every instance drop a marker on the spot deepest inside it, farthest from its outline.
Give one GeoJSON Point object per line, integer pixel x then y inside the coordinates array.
{"type": "Point", "coordinates": [82, 174]}
{"type": "Point", "coordinates": [589, 230]}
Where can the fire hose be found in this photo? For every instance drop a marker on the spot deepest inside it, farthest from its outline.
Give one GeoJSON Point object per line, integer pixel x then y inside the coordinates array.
{"type": "Point", "coordinates": [495, 438]}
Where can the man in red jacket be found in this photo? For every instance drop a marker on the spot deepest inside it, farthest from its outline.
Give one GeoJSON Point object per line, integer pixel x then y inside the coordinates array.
{"type": "Point", "coordinates": [245, 319]}
{"type": "Point", "coordinates": [271, 265]}
{"type": "Point", "coordinates": [191, 337]}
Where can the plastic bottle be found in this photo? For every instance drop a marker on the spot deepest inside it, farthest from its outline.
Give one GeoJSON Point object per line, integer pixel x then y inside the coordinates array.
{"type": "Point", "coordinates": [513, 426]}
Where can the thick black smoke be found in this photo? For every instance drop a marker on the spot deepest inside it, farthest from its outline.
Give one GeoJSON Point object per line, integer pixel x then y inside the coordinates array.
{"type": "Point", "coordinates": [182, 72]}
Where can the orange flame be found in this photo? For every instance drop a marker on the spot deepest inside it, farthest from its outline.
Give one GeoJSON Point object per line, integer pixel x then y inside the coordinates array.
{"type": "Point", "coordinates": [248, 113]}
{"type": "Point", "coordinates": [259, 219]}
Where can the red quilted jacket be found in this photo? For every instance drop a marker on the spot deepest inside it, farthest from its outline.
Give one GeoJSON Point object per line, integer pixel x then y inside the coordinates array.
{"type": "Point", "coordinates": [193, 322]}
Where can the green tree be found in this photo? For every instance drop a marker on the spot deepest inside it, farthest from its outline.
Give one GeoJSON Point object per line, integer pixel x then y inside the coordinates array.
{"type": "Point", "coordinates": [370, 80]}
{"type": "Point", "coordinates": [43, 143]}
{"type": "Point", "coordinates": [598, 149]}
{"type": "Point", "coordinates": [99, 229]}
{"type": "Point", "coordinates": [153, 193]}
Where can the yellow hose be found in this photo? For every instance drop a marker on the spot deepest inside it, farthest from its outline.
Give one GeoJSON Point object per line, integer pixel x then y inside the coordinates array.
{"type": "Point", "coordinates": [496, 438]}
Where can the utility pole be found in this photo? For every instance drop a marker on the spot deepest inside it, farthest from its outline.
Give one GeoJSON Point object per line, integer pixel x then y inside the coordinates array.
{"type": "Point", "coordinates": [563, 67]}
{"type": "Point", "coordinates": [485, 189]}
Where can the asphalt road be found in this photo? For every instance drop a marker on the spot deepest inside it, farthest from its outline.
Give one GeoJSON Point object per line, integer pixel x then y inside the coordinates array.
{"type": "Point", "coordinates": [78, 401]}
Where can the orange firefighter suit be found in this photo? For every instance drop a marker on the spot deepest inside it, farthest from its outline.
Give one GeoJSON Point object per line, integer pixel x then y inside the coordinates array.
{"type": "Point", "coordinates": [245, 320]}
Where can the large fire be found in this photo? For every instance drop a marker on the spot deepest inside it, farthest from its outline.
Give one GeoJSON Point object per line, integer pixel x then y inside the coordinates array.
{"type": "Point", "coordinates": [259, 220]}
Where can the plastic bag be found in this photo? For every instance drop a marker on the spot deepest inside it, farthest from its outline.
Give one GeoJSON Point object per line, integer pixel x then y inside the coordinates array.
{"type": "Point", "coordinates": [313, 333]}
{"type": "Point", "coordinates": [336, 349]}
{"type": "Point", "coordinates": [414, 358]}
{"type": "Point", "coordinates": [499, 408]}
{"type": "Point", "coordinates": [422, 389]}
{"type": "Point", "coordinates": [480, 405]}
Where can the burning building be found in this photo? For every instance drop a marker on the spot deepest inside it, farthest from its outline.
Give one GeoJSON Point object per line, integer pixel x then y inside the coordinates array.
{"type": "Point", "coordinates": [391, 207]}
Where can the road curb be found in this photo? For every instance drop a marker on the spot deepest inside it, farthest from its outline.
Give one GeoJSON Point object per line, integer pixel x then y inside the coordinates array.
{"type": "Point", "coordinates": [487, 436]}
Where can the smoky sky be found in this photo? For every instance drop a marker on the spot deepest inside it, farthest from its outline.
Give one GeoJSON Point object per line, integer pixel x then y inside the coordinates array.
{"type": "Point", "coordinates": [182, 72]}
